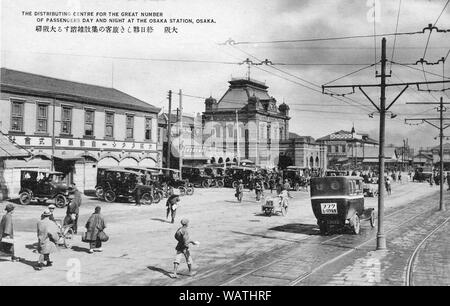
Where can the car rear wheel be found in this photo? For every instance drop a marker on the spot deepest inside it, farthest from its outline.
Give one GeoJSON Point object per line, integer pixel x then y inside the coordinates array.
{"type": "Point", "coordinates": [110, 196]}
{"type": "Point", "coordinates": [25, 198]}
{"type": "Point", "coordinates": [146, 198]}
{"type": "Point", "coordinates": [60, 201]}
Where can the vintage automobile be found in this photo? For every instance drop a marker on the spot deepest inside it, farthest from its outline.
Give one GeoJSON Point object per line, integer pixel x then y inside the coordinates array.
{"type": "Point", "coordinates": [236, 173]}
{"type": "Point", "coordinates": [298, 177]}
{"type": "Point", "coordinates": [150, 178]}
{"type": "Point", "coordinates": [422, 175]}
{"type": "Point", "coordinates": [121, 183]}
{"type": "Point", "coordinates": [338, 203]}
{"type": "Point", "coordinates": [43, 185]}
{"type": "Point", "coordinates": [170, 179]}
{"type": "Point", "coordinates": [216, 174]}
{"type": "Point", "coordinates": [197, 176]}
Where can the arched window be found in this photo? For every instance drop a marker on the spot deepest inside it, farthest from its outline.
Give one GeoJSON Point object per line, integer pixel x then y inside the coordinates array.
{"type": "Point", "coordinates": [213, 160]}
{"type": "Point", "coordinates": [317, 162]}
{"type": "Point", "coordinates": [311, 162]}
{"type": "Point", "coordinates": [220, 160]}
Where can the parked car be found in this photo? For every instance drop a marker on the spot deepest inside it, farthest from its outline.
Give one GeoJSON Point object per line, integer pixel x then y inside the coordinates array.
{"type": "Point", "coordinates": [121, 183]}
{"type": "Point", "coordinates": [297, 177]}
{"type": "Point", "coordinates": [197, 176]}
{"type": "Point", "coordinates": [235, 173]}
{"type": "Point", "coordinates": [171, 179]}
{"type": "Point", "coordinates": [43, 185]}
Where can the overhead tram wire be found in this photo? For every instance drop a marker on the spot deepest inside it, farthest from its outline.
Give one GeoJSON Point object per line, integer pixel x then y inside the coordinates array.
{"type": "Point", "coordinates": [427, 44]}
{"type": "Point", "coordinates": [396, 30]}
{"type": "Point", "coordinates": [232, 42]}
{"type": "Point", "coordinates": [375, 34]}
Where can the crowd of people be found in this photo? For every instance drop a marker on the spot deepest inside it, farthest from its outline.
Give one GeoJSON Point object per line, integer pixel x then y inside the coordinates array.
{"type": "Point", "coordinates": [49, 231]}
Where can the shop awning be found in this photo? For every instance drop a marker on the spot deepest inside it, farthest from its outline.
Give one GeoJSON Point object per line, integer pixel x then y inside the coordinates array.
{"type": "Point", "coordinates": [11, 150]}
{"type": "Point", "coordinates": [375, 160]}
{"type": "Point", "coordinates": [67, 158]}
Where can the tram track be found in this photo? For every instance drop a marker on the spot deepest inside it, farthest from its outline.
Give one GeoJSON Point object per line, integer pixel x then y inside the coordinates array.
{"type": "Point", "coordinates": [413, 212]}
{"type": "Point", "coordinates": [410, 266]}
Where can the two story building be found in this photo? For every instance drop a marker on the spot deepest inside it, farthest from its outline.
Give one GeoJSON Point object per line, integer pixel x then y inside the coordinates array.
{"type": "Point", "coordinates": [75, 127]}
{"type": "Point", "coordinates": [347, 149]}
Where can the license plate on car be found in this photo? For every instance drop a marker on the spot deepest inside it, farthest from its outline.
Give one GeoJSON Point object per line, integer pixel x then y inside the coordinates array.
{"type": "Point", "coordinates": [329, 208]}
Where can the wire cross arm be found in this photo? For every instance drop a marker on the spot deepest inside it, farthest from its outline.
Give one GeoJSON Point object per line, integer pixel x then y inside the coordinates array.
{"type": "Point", "coordinates": [387, 85]}
{"type": "Point", "coordinates": [333, 94]}
{"type": "Point", "coordinates": [429, 121]}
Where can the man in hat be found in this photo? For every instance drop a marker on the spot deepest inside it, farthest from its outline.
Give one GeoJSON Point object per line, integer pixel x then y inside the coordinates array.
{"type": "Point", "coordinates": [47, 233]}
{"type": "Point", "coordinates": [182, 248]}
{"type": "Point", "coordinates": [172, 205]}
{"type": "Point", "coordinates": [73, 210]}
{"type": "Point", "coordinates": [7, 233]}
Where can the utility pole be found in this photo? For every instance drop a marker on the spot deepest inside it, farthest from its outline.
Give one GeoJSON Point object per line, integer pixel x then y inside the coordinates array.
{"type": "Point", "coordinates": [238, 152]}
{"type": "Point", "coordinates": [381, 238]}
{"type": "Point", "coordinates": [169, 130]}
{"type": "Point", "coordinates": [382, 109]}
{"type": "Point", "coordinates": [53, 135]}
{"type": "Point", "coordinates": [180, 139]}
{"type": "Point", "coordinates": [441, 129]}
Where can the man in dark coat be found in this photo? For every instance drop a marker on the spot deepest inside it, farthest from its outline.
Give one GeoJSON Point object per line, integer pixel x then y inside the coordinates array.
{"type": "Point", "coordinates": [73, 211]}
{"type": "Point", "coordinates": [7, 232]}
{"type": "Point", "coordinates": [172, 205]}
{"type": "Point", "coordinates": [47, 232]}
{"type": "Point", "coordinates": [94, 226]}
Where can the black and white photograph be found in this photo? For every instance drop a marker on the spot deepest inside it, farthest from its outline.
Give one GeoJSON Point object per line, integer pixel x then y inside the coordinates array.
{"type": "Point", "coordinates": [248, 145]}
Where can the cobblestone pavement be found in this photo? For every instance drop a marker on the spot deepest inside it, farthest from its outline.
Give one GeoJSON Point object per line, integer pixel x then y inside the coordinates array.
{"type": "Point", "coordinates": [236, 239]}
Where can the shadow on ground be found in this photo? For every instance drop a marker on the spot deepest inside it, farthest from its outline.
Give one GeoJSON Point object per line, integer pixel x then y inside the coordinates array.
{"type": "Point", "coordinates": [298, 228]}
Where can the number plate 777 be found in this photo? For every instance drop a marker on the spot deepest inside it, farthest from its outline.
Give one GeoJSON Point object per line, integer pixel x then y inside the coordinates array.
{"type": "Point", "coordinates": [329, 208]}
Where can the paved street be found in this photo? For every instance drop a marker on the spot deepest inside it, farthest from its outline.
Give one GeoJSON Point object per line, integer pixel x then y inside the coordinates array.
{"type": "Point", "coordinates": [240, 246]}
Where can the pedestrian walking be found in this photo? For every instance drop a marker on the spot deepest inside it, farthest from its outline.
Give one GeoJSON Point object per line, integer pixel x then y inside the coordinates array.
{"type": "Point", "coordinates": [448, 180]}
{"type": "Point", "coordinates": [95, 234]}
{"type": "Point", "coordinates": [138, 190]}
{"type": "Point", "coordinates": [258, 191]}
{"type": "Point", "coordinates": [7, 233]}
{"type": "Point", "coordinates": [172, 206]}
{"type": "Point", "coordinates": [47, 233]}
{"type": "Point", "coordinates": [388, 186]}
{"type": "Point", "coordinates": [73, 211]}
{"type": "Point", "coordinates": [182, 248]}
{"type": "Point", "coordinates": [239, 190]}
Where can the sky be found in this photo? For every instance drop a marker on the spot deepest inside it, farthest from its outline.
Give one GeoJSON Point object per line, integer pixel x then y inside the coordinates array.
{"type": "Point", "coordinates": [130, 62]}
